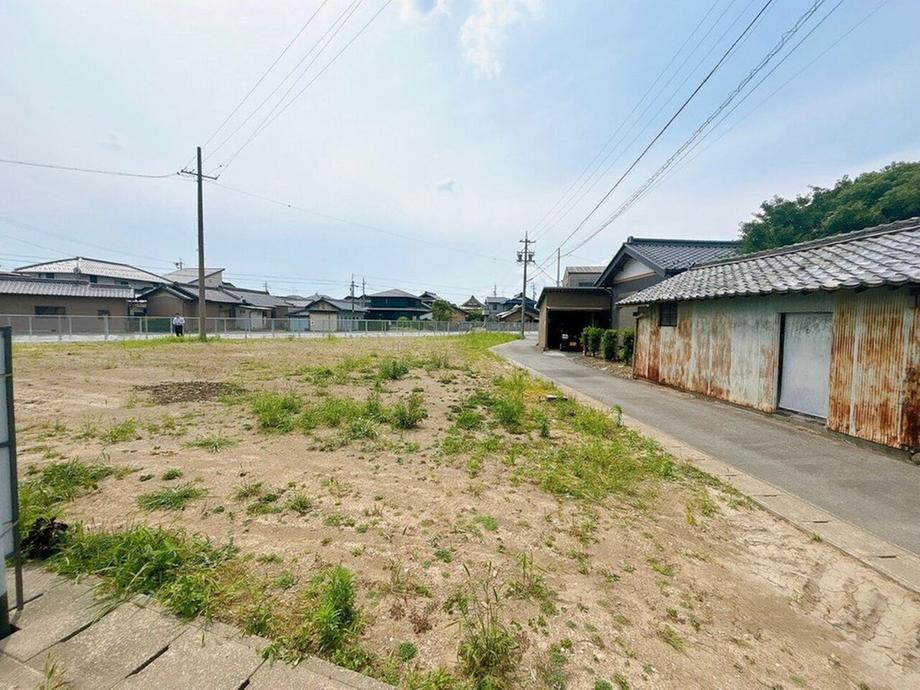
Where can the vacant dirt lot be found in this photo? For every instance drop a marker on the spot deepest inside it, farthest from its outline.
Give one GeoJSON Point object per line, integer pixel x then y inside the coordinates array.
{"type": "Point", "coordinates": [462, 501]}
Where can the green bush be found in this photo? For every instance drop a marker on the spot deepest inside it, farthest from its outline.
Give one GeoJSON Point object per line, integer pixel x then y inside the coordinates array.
{"type": "Point", "coordinates": [276, 411]}
{"type": "Point", "coordinates": [610, 344]}
{"type": "Point", "coordinates": [627, 343]}
{"type": "Point", "coordinates": [591, 339]}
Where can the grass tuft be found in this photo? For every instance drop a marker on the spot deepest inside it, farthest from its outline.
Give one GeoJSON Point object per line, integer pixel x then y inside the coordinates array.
{"type": "Point", "coordinates": [170, 498]}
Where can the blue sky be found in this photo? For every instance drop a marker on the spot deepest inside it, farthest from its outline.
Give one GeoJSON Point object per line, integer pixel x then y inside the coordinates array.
{"type": "Point", "coordinates": [454, 125]}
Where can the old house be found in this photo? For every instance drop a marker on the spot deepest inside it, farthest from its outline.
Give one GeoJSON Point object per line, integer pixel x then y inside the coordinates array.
{"type": "Point", "coordinates": [644, 261]}
{"type": "Point", "coordinates": [473, 305]}
{"type": "Point", "coordinates": [325, 313]}
{"type": "Point", "coordinates": [392, 305]}
{"type": "Point", "coordinates": [639, 263]}
{"type": "Point", "coordinates": [829, 328]}
{"type": "Point", "coordinates": [213, 277]}
{"type": "Point", "coordinates": [51, 298]}
{"type": "Point", "coordinates": [581, 276]}
{"type": "Point", "coordinates": [94, 271]}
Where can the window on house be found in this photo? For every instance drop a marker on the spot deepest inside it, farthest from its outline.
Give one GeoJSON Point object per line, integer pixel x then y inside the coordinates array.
{"type": "Point", "coordinates": [103, 312]}
{"type": "Point", "coordinates": [94, 279]}
{"type": "Point", "coordinates": [49, 275]}
{"type": "Point", "coordinates": [667, 314]}
{"type": "Point", "coordinates": [49, 311]}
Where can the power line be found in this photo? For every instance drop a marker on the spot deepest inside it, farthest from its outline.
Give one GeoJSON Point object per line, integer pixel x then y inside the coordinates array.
{"type": "Point", "coordinates": [668, 123]}
{"type": "Point", "coordinates": [335, 27]}
{"type": "Point", "coordinates": [686, 159]}
{"type": "Point", "coordinates": [264, 75]}
{"type": "Point", "coordinates": [269, 122]}
{"type": "Point", "coordinates": [95, 171]}
{"type": "Point", "coordinates": [365, 226]}
{"type": "Point", "coordinates": [784, 39]}
{"type": "Point", "coordinates": [550, 214]}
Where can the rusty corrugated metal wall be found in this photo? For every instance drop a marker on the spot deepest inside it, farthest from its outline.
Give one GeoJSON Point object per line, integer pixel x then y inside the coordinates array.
{"type": "Point", "coordinates": [730, 348]}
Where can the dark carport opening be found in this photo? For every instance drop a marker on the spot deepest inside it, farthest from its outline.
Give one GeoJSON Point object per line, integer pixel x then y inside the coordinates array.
{"type": "Point", "coordinates": [572, 323]}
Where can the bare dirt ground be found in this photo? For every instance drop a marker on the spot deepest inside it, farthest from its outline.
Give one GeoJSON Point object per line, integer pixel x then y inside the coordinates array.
{"type": "Point", "coordinates": [671, 582]}
{"type": "Point", "coordinates": [620, 369]}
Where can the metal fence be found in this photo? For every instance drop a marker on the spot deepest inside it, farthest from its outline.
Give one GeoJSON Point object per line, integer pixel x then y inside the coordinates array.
{"type": "Point", "coordinates": [61, 327]}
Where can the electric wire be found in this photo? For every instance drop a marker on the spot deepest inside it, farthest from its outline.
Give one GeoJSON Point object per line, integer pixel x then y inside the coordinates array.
{"type": "Point", "coordinates": [269, 122]}
{"type": "Point", "coordinates": [784, 39]}
{"type": "Point", "coordinates": [95, 171]}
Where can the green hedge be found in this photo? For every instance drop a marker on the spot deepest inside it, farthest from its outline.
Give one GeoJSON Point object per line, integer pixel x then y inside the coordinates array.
{"type": "Point", "coordinates": [591, 339]}
{"type": "Point", "coordinates": [614, 345]}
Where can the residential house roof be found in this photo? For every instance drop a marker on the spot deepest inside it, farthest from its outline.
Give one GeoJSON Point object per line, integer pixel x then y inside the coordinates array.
{"type": "Point", "coordinates": [881, 255]}
{"type": "Point", "coordinates": [22, 285]}
{"type": "Point", "coordinates": [190, 293]}
{"type": "Point", "coordinates": [79, 265]}
{"type": "Point", "coordinates": [472, 303]}
{"type": "Point", "coordinates": [338, 304]}
{"type": "Point", "coordinates": [517, 310]}
{"type": "Point", "coordinates": [667, 257]}
{"type": "Point", "coordinates": [583, 269]}
{"type": "Point", "coordinates": [190, 274]}
{"type": "Point", "coordinates": [257, 298]}
{"type": "Point", "coordinates": [395, 292]}
{"type": "Point", "coordinates": [551, 289]}
{"type": "Point", "coordinates": [495, 299]}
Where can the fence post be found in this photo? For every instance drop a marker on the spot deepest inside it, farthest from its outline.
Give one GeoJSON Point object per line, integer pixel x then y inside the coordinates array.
{"type": "Point", "coordinates": [105, 321]}
{"type": "Point", "coordinates": [60, 328]}
{"type": "Point", "coordinates": [30, 326]}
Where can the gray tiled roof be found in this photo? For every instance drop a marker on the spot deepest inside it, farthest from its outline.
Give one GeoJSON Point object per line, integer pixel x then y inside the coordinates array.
{"type": "Point", "coordinates": [62, 288]}
{"type": "Point", "coordinates": [395, 292]}
{"type": "Point", "coordinates": [583, 269]}
{"type": "Point", "coordinates": [679, 255]}
{"type": "Point", "coordinates": [882, 255]}
{"type": "Point", "coordinates": [340, 304]}
{"type": "Point", "coordinates": [190, 275]}
{"type": "Point", "coordinates": [258, 298]}
{"type": "Point", "coordinates": [79, 265]}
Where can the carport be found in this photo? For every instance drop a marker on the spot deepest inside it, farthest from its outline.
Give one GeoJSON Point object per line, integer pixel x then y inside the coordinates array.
{"type": "Point", "coordinates": [569, 310]}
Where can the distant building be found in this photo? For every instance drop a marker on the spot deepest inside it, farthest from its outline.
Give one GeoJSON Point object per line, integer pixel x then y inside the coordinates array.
{"type": "Point", "coordinates": [28, 295]}
{"type": "Point", "coordinates": [494, 306]}
{"type": "Point", "coordinates": [213, 277]}
{"type": "Point", "coordinates": [391, 305]}
{"type": "Point", "coordinates": [513, 315]}
{"type": "Point", "coordinates": [473, 304]}
{"type": "Point", "coordinates": [639, 263]}
{"type": "Point", "coordinates": [581, 276]}
{"type": "Point", "coordinates": [94, 271]}
{"type": "Point", "coordinates": [327, 314]}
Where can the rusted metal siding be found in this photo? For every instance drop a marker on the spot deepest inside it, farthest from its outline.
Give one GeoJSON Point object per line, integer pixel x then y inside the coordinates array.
{"type": "Point", "coordinates": [871, 355]}
{"type": "Point", "coordinates": [730, 349]}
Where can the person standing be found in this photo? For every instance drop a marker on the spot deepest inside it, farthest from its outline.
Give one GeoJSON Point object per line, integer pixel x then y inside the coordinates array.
{"type": "Point", "coordinates": [178, 324]}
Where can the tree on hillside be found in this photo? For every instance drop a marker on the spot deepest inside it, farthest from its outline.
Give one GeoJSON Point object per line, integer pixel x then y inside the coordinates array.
{"type": "Point", "coordinates": [883, 196]}
{"type": "Point", "coordinates": [440, 310]}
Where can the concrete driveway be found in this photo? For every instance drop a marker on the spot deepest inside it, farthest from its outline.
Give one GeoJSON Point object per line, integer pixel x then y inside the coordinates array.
{"type": "Point", "coordinates": [867, 487]}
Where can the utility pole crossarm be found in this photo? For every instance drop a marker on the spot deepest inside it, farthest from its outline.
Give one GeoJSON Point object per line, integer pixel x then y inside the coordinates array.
{"type": "Point", "coordinates": [524, 257]}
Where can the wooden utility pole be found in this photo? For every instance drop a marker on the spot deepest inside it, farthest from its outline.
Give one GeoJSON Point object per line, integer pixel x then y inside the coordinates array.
{"type": "Point", "coordinates": [202, 304]}
{"type": "Point", "coordinates": [525, 257]}
{"type": "Point", "coordinates": [558, 257]}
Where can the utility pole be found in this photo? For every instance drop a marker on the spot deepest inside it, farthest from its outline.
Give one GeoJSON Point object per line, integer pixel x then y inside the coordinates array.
{"type": "Point", "coordinates": [524, 257]}
{"type": "Point", "coordinates": [352, 297]}
{"type": "Point", "coordinates": [202, 308]}
{"type": "Point", "coordinates": [558, 257]}
{"type": "Point", "coordinates": [202, 304]}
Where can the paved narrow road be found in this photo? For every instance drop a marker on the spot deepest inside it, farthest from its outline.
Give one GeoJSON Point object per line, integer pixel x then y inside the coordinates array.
{"type": "Point", "coordinates": [867, 487]}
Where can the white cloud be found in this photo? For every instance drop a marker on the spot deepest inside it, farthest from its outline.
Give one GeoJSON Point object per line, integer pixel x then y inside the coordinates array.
{"type": "Point", "coordinates": [447, 185]}
{"type": "Point", "coordinates": [414, 10]}
{"type": "Point", "coordinates": [486, 30]}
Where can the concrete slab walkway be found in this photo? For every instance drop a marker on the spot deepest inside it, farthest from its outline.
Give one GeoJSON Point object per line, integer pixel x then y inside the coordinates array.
{"type": "Point", "coordinates": [137, 645]}
{"type": "Point", "coordinates": [864, 487]}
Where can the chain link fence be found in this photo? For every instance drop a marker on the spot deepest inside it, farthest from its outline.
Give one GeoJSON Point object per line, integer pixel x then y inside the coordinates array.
{"type": "Point", "coordinates": [74, 328]}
